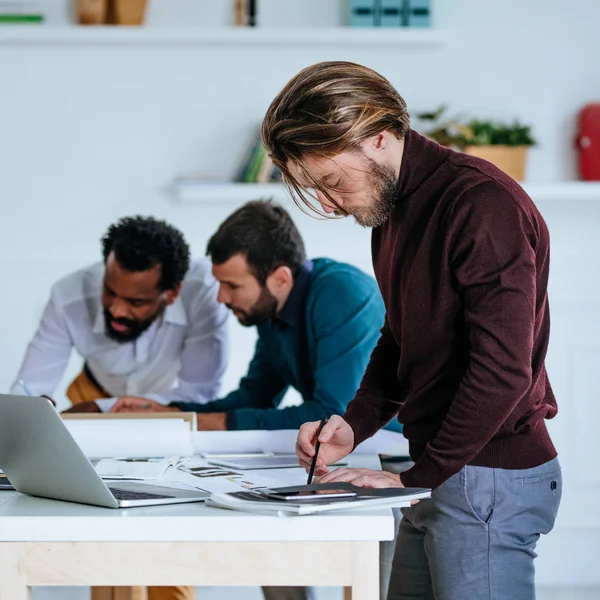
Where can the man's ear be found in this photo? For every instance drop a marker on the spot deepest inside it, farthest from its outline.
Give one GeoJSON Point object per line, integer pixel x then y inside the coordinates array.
{"type": "Point", "coordinates": [171, 295]}
{"type": "Point", "coordinates": [376, 143]}
{"type": "Point", "coordinates": [280, 280]}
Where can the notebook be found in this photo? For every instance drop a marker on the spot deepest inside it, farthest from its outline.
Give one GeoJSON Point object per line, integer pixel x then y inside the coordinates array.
{"type": "Point", "coordinates": [366, 498]}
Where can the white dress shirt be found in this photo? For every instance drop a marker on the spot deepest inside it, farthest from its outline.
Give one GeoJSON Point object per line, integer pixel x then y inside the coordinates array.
{"type": "Point", "coordinates": [180, 357]}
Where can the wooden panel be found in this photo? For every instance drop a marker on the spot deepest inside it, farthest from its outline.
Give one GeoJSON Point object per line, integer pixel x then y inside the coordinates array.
{"type": "Point", "coordinates": [365, 571]}
{"type": "Point", "coordinates": [13, 576]}
{"type": "Point", "coordinates": [268, 563]}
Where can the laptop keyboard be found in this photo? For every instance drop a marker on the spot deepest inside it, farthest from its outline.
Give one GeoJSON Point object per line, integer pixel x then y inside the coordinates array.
{"type": "Point", "coordinates": [127, 495]}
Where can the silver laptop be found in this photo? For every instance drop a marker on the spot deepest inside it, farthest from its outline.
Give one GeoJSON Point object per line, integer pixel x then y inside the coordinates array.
{"type": "Point", "coordinates": [41, 458]}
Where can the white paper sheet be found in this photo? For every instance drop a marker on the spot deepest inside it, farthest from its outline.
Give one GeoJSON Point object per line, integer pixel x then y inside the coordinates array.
{"type": "Point", "coordinates": [217, 479]}
{"type": "Point", "coordinates": [136, 468]}
{"type": "Point", "coordinates": [132, 438]}
{"type": "Point", "coordinates": [284, 441]}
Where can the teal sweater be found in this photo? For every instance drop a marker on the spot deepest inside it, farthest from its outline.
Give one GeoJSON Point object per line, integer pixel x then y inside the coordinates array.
{"type": "Point", "coordinates": [320, 345]}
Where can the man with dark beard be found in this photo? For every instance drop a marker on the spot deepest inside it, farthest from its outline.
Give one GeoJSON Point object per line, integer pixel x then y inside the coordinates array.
{"type": "Point", "coordinates": [146, 322]}
{"type": "Point", "coordinates": [317, 322]}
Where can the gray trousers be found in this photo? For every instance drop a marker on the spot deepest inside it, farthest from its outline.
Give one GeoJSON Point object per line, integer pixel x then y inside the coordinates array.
{"type": "Point", "coordinates": [475, 538]}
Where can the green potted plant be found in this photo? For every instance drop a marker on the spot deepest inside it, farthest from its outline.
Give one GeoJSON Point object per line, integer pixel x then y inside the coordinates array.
{"type": "Point", "coordinates": [504, 145]}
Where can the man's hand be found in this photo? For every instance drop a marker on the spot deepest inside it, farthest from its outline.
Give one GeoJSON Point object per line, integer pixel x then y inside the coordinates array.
{"type": "Point", "coordinates": [336, 439]}
{"type": "Point", "coordinates": [84, 407]}
{"type": "Point", "coordinates": [135, 404]}
{"type": "Point", "coordinates": [364, 478]}
{"type": "Point", "coordinates": [211, 421]}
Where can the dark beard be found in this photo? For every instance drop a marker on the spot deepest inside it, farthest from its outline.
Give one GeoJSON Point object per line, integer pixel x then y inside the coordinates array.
{"type": "Point", "coordinates": [385, 185]}
{"type": "Point", "coordinates": [136, 328]}
{"type": "Point", "coordinates": [264, 309]}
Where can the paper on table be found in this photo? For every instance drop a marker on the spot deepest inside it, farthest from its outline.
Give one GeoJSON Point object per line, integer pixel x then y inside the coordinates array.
{"type": "Point", "coordinates": [284, 441]}
{"type": "Point", "coordinates": [132, 438]}
{"type": "Point", "coordinates": [110, 468]}
{"type": "Point", "coordinates": [216, 479]}
{"type": "Point", "coordinates": [384, 442]}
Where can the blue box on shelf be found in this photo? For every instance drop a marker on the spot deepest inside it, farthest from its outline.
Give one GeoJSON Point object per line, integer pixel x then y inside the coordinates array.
{"type": "Point", "coordinates": [417, 13]}
{"type": "Point", "coordinates": [391, 13]}
{"type": "Point", "coordinates": [363, 13]}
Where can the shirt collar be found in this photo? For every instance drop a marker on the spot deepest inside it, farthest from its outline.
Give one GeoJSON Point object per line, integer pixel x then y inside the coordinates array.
{"type": "Point", "coordinates": [174, 313]}
{"type": "Point", "coordinates": [99, 322]}
{"type": "Point", "coordinates": [420, 159]}
{"type": "Point", "coordinates": [291, 313]}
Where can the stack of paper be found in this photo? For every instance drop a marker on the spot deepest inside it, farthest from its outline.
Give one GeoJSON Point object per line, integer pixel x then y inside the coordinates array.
{"type": "Point", "coordinates": [255, 501]}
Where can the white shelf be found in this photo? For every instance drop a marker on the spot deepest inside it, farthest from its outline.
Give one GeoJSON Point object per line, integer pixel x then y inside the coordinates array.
{"type": "Point", "coordinates": [238, 193]}
{"type": "Point", "coordinates": [564, 190]}
{"type": "Point", "coordinates": [241, 36]}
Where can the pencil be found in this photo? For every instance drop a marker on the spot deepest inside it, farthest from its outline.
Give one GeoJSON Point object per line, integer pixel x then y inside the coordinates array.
{"type": "Point", "coordinates": [317, 446]}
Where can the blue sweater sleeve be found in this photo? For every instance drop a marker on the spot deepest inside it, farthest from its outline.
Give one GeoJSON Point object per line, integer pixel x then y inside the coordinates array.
{"type": "Point", "coordinates": [260, 389]}
{"type": "Point", "coordinates": [343, 318]}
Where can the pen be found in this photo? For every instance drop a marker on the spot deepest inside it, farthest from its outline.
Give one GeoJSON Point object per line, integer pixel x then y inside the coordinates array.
{"type": "Point", "coordinates": [317, 446]}
{"type": "Point", "coordinates": [25, 388]}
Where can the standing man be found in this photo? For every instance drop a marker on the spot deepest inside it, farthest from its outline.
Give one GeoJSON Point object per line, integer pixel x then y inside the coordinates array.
{"type": "Point", "coordinates": [461, 255]}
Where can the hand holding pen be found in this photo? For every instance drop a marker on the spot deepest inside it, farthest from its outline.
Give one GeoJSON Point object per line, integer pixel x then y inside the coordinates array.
{"type": "Point", "coordinates": [322, 443]}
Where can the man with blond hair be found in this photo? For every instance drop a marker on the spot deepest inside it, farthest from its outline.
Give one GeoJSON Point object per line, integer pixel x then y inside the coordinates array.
{"type": "Point", "coordinates": [461, 255]}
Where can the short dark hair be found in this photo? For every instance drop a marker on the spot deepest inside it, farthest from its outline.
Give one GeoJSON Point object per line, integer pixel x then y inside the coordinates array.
{"type": "Point", "coordinates": [265, 234]}
{"type": "Point", "coordinates": [140, 243]}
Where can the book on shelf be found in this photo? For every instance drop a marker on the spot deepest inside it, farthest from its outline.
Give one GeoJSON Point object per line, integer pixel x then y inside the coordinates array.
{"type": "Point", "coordinates": [245, 13]}
{"type": "Point", "coordinates": [257, 166]}
{"type": "Point", "coordinates": [21, 11]}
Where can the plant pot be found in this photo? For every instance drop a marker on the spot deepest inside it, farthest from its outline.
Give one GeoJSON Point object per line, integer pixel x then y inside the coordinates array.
{"type": "Point", "coordinates": [127, 12]}
{"type": "Point", "coordinates": [510, 159]}
{"type": "Point", "coordinates": [91, 12]}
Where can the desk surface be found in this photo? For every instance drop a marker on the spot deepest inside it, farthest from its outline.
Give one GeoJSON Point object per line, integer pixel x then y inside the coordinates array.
{"type": "Point", "coordinates": [28, 519]}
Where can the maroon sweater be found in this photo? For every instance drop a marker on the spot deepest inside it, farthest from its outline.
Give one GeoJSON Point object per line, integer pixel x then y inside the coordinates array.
{"type": "Point", "coordinates": [462, 265]}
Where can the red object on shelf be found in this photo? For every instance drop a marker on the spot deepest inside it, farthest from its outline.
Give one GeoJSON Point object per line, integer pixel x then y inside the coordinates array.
{"type": "Point", "coordinates": [588, 142]}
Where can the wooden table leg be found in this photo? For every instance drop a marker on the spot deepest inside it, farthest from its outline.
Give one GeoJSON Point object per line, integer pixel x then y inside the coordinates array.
{"type": "Point", "coordinates": [365, 572]}
{"type": "Point", "coordinates": [13, 581]}
{"type": "Point", "coordinates": [118, 593]}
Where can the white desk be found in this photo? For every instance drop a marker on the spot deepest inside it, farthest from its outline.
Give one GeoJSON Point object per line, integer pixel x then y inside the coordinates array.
{"type": "Point", "coordinates": [46, 542]}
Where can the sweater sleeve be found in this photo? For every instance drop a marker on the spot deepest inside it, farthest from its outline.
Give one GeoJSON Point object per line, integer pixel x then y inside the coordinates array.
{"type": "Point", "coordinates": [260, 389]}
{"type": "Point", "coordinates": [492, 251]}
{"type": "Point", "coordinates": [380, 395]}
{"type": "Point", "coordinates": [341, 337]}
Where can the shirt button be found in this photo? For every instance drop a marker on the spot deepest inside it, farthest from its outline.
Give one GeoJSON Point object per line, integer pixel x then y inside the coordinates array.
{"type": "Point", "coordinates": [553, 485]}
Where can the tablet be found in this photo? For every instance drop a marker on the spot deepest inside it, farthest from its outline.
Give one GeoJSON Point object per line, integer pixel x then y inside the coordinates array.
{"type": "Point", "coordinates": [278, 461]}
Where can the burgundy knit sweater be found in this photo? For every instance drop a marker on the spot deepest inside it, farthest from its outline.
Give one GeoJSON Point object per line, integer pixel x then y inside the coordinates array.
{"type": "Point", "coordinates": [462, 265]}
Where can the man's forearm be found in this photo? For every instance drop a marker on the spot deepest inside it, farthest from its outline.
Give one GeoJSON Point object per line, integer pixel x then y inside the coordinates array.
{"type": "Point", "coordinates": [84, 407]}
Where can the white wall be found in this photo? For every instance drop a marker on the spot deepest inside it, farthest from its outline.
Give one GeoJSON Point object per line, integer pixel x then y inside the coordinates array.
{"type": "Point", "coordinates": [88, 134]}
